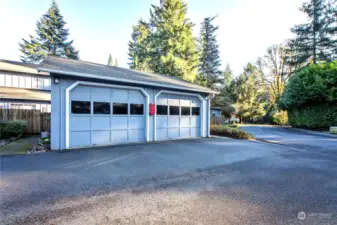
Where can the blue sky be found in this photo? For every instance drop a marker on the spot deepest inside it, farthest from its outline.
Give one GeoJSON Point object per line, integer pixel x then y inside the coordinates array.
{"type": "Point", "coordinates": [101, 27]}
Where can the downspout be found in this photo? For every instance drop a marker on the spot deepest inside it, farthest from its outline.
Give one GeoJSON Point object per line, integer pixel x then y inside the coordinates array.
{"type": "Point", "coordinates": [209, 98]}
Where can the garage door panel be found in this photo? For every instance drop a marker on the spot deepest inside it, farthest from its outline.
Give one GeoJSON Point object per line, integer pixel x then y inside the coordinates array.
{"type": "Point", "coordinates": [162, 101]}
{"type": "Point", "coordinates": [185, 132]}
{"type": "Point", "coordinates": [81, 93]}
{"type": "Point", "coordinates": [184, 121]}
{"type": "Point", "coordinates": [119, 122]}
{"type": "Point", "coordinates": [101, 137]}
{"type": "Point", "coordinates": [162, 134]}
{"type": "Point", "coordinates": [119, 136]}
{"type": "Point", "coordinates": [80, 122]}
{"type": "Point", "coordinates": [173, 133]}
{"type": "Point", "coordinates": [100, 94]}
{"type": "Point", "coordinates": [174, 101]}
{"type": "Point", "coordinates": [136, 97]}
{"type": "Point", "coordinates": [162, 121]}
{"type": "Point", "coordinates": [185, 102]}
{"type": "Point", "coordinates": [195, 132]}
{"type": "Point", "coordinates": [195, 121]}
{"type": "Point", "coordinates": [119, 96]}
{"type": "Point", "coordinates": [137, 122]}
{"type": "Point", "coordinates": [79, 138]}
{"type": "Point", "coordinates": [173, 121]}
{"type": "Point", "coordinates": [136, 135]}
{"type": "Point", "coordinates": [100, 122]}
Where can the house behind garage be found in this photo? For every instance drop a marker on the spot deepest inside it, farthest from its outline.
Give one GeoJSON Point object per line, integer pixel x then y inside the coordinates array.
{"type": "Point", "coordinates": [94, 104]}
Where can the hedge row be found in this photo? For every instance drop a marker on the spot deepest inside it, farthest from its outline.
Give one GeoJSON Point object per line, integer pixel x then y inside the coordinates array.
{"type": "Point", "coordinates": [223, 130]}
{"type": "Point", "coordinates": [314, 117]}
{"type": "Point", "coordinates": [12, 128]}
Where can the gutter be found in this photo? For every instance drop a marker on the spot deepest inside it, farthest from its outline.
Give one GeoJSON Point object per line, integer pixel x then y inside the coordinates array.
{"type": "Point", "coordinates": [86, 75]}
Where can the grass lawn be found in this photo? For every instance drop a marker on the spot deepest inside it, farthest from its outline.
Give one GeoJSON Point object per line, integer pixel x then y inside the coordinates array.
{"type": "Point", "coordinates": [20, 146]}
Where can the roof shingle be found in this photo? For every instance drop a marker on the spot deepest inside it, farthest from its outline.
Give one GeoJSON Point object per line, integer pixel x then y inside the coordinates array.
{"type": "Point", "coordinates": [79, 68]}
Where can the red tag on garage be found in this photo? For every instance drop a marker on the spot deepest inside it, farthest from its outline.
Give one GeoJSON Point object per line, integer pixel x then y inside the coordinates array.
{"type": "Point", "coordinates": [152, 109]}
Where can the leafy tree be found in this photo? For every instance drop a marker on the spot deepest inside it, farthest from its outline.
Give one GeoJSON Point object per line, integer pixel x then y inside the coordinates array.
{"type": "Point", "coordinates": [173, 49]}
{"type": "Point", "coordinates": [116, 63]}
{"type": "Point", "coordinates": [110, 61]}
{"type": "Point", "coordinates": [312, 85]}
{"type": "Point", "coordinates": [209, 52]}
{"type": "Point", "coordinates": [139, 48]}
{"type": "Point", "coordinates": [228, 75]}
{"type": "Point", "coordinates": [51, 39]}
{"type": "Point", "coordinates": [316, 40]}
{"type": "Point", "coordinates": [247, 91]}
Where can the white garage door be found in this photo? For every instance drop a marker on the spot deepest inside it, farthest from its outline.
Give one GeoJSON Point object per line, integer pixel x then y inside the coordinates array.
{"type": "Point", "coordinates": [178, 116]}
{"type": "Point", "coordinates": [100, 115]}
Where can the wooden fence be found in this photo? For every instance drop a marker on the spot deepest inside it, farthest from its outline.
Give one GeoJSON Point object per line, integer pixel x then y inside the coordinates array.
{"type": "Point", "coordinates": [37, 121]}
{"type": "Point", "coordinates": [221, 120]}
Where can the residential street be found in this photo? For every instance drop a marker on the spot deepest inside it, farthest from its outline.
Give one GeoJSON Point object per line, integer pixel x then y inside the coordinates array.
{"type": "Point", "coordinates": [197, 181]}
{"type": "Point", "coordinates": [302, 139]}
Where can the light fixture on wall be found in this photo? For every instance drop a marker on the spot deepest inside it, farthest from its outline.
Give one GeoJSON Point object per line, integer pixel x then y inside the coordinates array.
{"type": "Point", "coordinates": [56, 80]}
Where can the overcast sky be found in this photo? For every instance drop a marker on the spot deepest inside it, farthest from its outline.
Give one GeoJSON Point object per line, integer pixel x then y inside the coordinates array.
{"type": "Point", "coordinates": [101, 27]}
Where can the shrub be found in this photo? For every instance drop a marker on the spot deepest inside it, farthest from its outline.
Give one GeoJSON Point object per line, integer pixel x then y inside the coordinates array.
{"type": "Point", "coordinates": [311, 96]}
{"type": "Point", "coordinates": [280, 118]}
{"type": "Point", "coordinates": [227, 131]}
{"type": "Point", "coordinates": [12, 128]}
{"type": "Point", "coordinates": [314, 117]}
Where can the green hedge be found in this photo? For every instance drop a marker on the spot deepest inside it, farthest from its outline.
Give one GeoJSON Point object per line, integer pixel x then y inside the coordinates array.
{"type": "Point", "coordinates": [223, 130]}
{"type": "Point", "coordinates": [12, 129]}
{"type": "Point", "coordinates": [313, 117]}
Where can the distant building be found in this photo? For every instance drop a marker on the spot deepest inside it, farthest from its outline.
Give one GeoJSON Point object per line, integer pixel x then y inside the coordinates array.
{"type": "Point", "coordinates": [216, 111]}
{"type": "Point", "coordinates": [23, 87]}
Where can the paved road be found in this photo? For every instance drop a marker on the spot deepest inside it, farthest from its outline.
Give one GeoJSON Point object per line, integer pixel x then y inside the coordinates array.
{"type": "Point", "coordinates": [202, 181]}
{"type": "Point", "coordinates": [294, 137]}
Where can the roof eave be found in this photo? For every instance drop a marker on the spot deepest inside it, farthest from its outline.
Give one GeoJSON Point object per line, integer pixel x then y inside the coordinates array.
{"type": "Point", "coordinates": [86, 75]}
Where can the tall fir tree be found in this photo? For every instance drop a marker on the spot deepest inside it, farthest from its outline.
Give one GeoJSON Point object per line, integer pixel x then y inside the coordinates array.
{"type": "Point", "coordinates": [228, 75]}
{"type": "Point", "coordinates": [110, 61]}
{"type": "Point", "coordinates": [209, 52]}
{"type": "Point", "coordinates": [173, 50]}
{"type": "Point", "coordinates": [52, 39]}
{"type": "Point", "coordinates": [139, 47]}
{"type": "Point", "coordinates": [316, 40]}
{"type": "Point", "coordinates": [116, 63]}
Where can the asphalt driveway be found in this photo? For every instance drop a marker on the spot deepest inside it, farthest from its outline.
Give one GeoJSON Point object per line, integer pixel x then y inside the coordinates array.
{"type": "Point", "coordinates": [201, 181]}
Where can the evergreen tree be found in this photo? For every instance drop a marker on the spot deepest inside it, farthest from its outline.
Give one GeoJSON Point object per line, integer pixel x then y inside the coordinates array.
{"type": "Point", "coordinates": [110, 61]}
{"type": "Point", "coordinates": [139, 53]}
{"type": "Point", "coordinates": [209, 52]}
{"type": "Point", "coordinates": [116, 63]}
{"type": "Point", "coordinates": [316, 40]}
{"type": "Point", "coordinates": [51, 39]}
{"type": "Point", "coordinates": [173, 50]}
{"type": "Point", "coordinates": [247, 91]}
{"type": "Point", "coordinates": [228, 75]}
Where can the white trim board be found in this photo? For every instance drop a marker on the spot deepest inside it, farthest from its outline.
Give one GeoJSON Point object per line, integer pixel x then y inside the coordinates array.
{"type": "Point", "coordinates": [203, 112]}
{"type": "Point", "coordinates": [77, 83]}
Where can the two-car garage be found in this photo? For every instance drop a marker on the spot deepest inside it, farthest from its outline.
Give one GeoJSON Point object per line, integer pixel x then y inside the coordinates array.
{"type": "Point", "coordinates": [94, 104]}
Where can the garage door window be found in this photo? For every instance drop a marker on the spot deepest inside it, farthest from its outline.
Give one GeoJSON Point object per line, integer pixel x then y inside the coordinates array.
{"type": "Point", "coordinates": [120, 108]}
{"type": "Point", "coordinates": [185, 111]}
{"type": "Point", "coordinates": [136, 109]}
{"type": "Point", "coordinates": [101, 108]}
{"type": "Point", "coordinates": [80, 107]}
{"type": "Point", "coordinates": [174, 110]}
{"type": "Point", "coordinates": [195, 111]}
{"type": "Point", "coordinates": [162, 110]}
